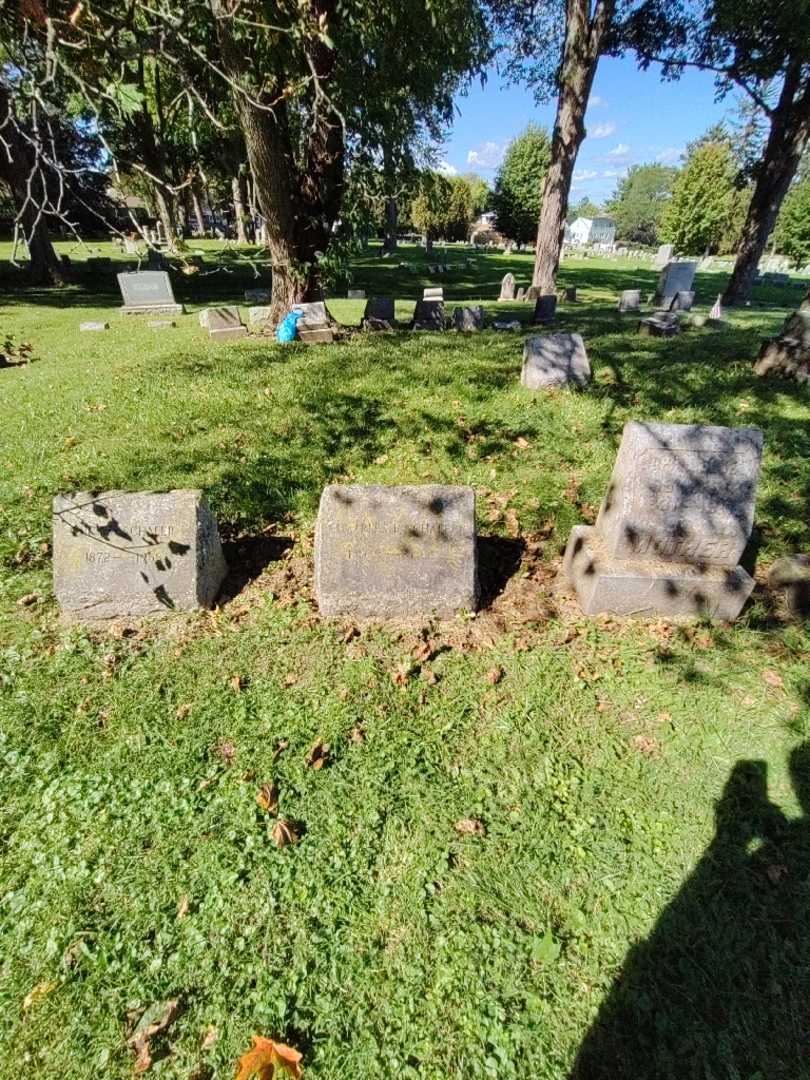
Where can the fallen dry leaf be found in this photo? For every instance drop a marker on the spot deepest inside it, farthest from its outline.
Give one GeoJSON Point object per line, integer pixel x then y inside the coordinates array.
{"type": "Point", "coordinates": [267, 798]}
{"type": "Point", "coordinates": [209, 1038]}
{"type": "Point", "coordinates": [469, 827]}
{"type": "Point", "coordinates": [284, 833]}
{"type": "Point", "coordinates": [318, 755]}
{"type": "Point", "coordinates": [429, 676]}
{"type": "Point", "coordinates": [40, 991]}
{"type": "Point", "coordinates": [267, 1056]}
{"type": "Point", "coordinates": [183, 711]}
{"type": "Point", "coordinates": [494, 675]}
{"type": "Point", "coordinates": [521, 443]}
{"type": "Point", "coordinates": [281, 746]}
{"type": "Point", "coordinates": [227, 751]}
{"type": "Point", "coordinates": [154, 1021]}
{"type": "Point", "coordinates": [645, 744]}
{"type": "Point", "coordinates": [356, 735]}
{"type": "Point", "coordinates": [28, 599]}
{"type": "Point", "coordinates": [423, 652]}
{"type": "Point", "coordinates": [289, 680]}
{"type": "Point", "coordinates": [512, 523]}
{"type": "Point", "coordinates": [237, 683]}
{"type": "Point", "coordinates": [400, 676]}
{"type": "Point", "coordinates": [182, 907]}
{"type": "Point", "coordinates": [773, 678]}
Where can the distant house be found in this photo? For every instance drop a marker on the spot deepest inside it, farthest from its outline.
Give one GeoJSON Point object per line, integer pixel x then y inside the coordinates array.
{"type": "Point", "coordinates": [485, 230]}
{"type": "Point", "coordinates": [598, 230]}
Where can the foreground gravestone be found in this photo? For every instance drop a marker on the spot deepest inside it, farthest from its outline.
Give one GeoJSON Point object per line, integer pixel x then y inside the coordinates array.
{"type": "Point", "coordinates": [507, 287]}
{"type": "Point", "coordinates": [674, 523]}
{"type": "Point", "coordinates": [223, 323]}
{"type": "Point", "coordinates": [545, 308]}
{"type": "Point", "coordinates": [118, 554]}
{"type": "Point", "coordinates": [379, 313]}
{"type": "Point", "coordinates": [551, 360]}
{"type": "Point", "coordinates": [788, 354]}
{"type": "Point", "coordinates": [630, 300]}
{"type": "Point", "coordinates": [316, 326]}
{"type": "Point", "coordinates": [257, 296]}
{"type": "Point", "coordinates": [791, 576]}
{"type": "Point", "coordinates": [385, 552]}
{"type": "Point", "coordinates": [468, 319]}
{"type": "Point", "coordinates": [675, 277]}
{"type": "Point", "coordinates": [663, 256]}
{"type": "Point", "coordinates": [148, 292]}
{"type": "Point", "coordinates": [429, 315]}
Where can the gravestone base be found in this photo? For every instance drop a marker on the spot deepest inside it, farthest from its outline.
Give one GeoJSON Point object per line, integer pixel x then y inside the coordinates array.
{"type": "Point", "coordinates": [656, 326]}
{"type": "Point", "coordinates": [152, 309]}
{"type": "Point", "coordinates": [315, 335]}
{"type": "Point", "coordinates": [227, 333]}
{"type": "Point", "coordinates": [606, 585]}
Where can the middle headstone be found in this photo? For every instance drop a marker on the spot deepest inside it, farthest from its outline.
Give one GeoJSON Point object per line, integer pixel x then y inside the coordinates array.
{"type": "Point", "coordinates": [507, 287]}
{"type": "Point", "coordinates": [555, 360]}
{"type": "Point", "coordinates": [468, 319]}
{"type": "Point", "coordinates": [379, 313]}
{"type": "Point", "coordinates": [387, 552]}
{"type": "Point", "coordinates": [545, 308]}
{"type": "Point", "coordinates": [675, 277]}
{"type": "Point", "coordinates": [674, 523]}
{"type": "Point", "coordinates": [630, 300]}
{"type": "Point", "coordinates": [429, 315]}
{"type": "Point", "coordinates": [223, 323]}
{"type": "Point", "coordinates": [148, 292]}
{"type": "Point", "coordinates": [663, 256]}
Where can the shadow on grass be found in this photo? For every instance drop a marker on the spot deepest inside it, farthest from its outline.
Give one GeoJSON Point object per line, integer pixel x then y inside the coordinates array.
{"type": "Point", "coordinates": [721, 986]}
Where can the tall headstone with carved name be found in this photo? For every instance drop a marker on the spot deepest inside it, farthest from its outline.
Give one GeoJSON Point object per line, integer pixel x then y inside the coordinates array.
{"type": "Point", "coordinates": [388, 552]}
{"type": "Point", "coordinates": [675, 277]}
{"type": "Point", "coordinates": [673, 525]}
{"type": "Point", "coordinates": [120, 554]}
{"type": "Point", "coordinates": [148, 292]}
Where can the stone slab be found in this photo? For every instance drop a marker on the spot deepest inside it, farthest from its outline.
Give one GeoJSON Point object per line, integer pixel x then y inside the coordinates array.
{"type": "Point", "coordinates": [380, 309]}
{"type": "Point", "coordinates": [315, 335]}
{"type": "Point", "coordinates": [220, 318]}
{"type": "Point", "coordinates": [630, 300]}
{"type": "Point", "coordinates": [433, 292]}
{"type": "Point", "coordinates": [148, 291]}
{"type": "Point", "coordinates": [120, 554]}
{"type": "Point", "coordinates": [545, 308]}
{"type": "Point", "coordinates": [468, 320]}
{"type": "Point", "coordinates": [227, 333]}
{"type": "Point", "coordinates": [389, 552]}
{"type": "Point", "coordinates": [682, 493]}
{"type": "Point", "coordinates": [259, 314]}
{"type": "Point", "coordinates": [314, 312]}
{"type": "Point", "coordinates": [682, 301]}
{"type": "Point", "coordinates": [356, 294]}
{"type": "Point", "coordinates": [647, 590]}
{"type": "Point", "coordinates": [791, 574]}
{"type": "Point", "coordinates": [429, 315]}
{"type": "Point", "coordinates": [662, 324]}
{"type": "Point", "coordinates": [551, 360]}
{"type": "Point", "coordinates": [93, 326]}
{"type": "Point", "coordinates": [507, 287]}
{"type": "Point", "coordinates": [161, 324]}
{"type": "Point", "coordinates": [675, 277]}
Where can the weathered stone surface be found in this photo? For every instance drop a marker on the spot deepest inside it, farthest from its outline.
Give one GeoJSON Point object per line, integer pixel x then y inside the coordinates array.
{"type": "Point", "coordinates": [507, 324]}
{"type": "Point", "coordinates": [682, 301]}
{"type": "Point", "coordinates": [356, 294]}
{"type": "Point", "coordinates": [119, 554]}
{"type": "Point", "coordinates": [545, 309]}
{"type": "Point", "coordinates": [568, 294]}
{"type": "Point", "coordinates": [673, 525]}
{"type": "Point", "coordinates": [380, 309]}
{"type": "Point", "coordinates": [90, 326]}
{"type": "Point", "coordinates": [646, 589]}
{"type": "Point", "coordinates": [429, 315]}
{"type": "Point", "coordinates": [661, 324]}
{"type": "Point", "coordinates": [227, 333]}
{"type": "Point", "coordinates": [259, 314]}
{"type": "Point", "coordinates": [663, 256]}
{"type": "Point", "coordinates": [257, 296]}
{"type": "Point", "coordinates": [682, 492]}
{"type": "Point", "coordinates": [534, 292]}
{"type": "Point", "coordinates": [555, 360]}
{"type": "Point", "coordinates": [791, 575]}
{"type": "Point", "coordinates": [315, 314]}
{"type": "Point", "coordinates": [315, 335]}
{"type": "Point", "coordinates": [788, 354]}
{"type": "Point", "coordinates": [468, 319]}
{"type": "Point", "coordinates": [507, 287]}
{"type": "Point", "coordinates": [388, 552]}
{"type": "Point", "coordinates": [630, 300]}
{"type": "Point", "coordinates": [148, 292]}
{"type": "Point", "coordinates": [675, 277]}
{"type": "Point", "coordinates": [433, 292]}
{"type": "Point", "coordinates": [521, 295]}
{"type": "Point", "coordinates": [220, 318]}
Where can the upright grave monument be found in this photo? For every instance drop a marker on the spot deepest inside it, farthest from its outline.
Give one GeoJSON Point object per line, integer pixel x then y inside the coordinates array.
{"type": "Point", "coordinates": [428, 315]}
{"type": "Point", "coordinates": [148, 292]}
{"type": "Point", "coordinates": [674, 523]}
{"type": "Point", "coordinates": [507, 287]}
{"type": "Point", "coordinates": [223, 323]}
{"type": "Point", "coordinates": [630, 300]}
{"type": "Point", "coordinates": [545, 308]}
{"type": "Point", "coordinates": [121, 554]}
{"type": "Point", "coordinates": [675, 277]}
{"type": "Point", "coordinates": [468, 319]}
{"type": "Point", "coordinates": [390, 552]}
{"type": "Point", "coordinates": [552, 360]}
{"type": "Point", "coordinates": [663, 256]}
{"type": "Point", "coordinates": [379, 313]}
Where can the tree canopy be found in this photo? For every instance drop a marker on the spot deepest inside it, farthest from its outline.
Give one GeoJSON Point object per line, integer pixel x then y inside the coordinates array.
{"type": "Point", "coordinates": [639, 201]}
{"type": "Point", "coordinates": [699, 215]}
{"type": "Point", "coordinates": [519, 182]}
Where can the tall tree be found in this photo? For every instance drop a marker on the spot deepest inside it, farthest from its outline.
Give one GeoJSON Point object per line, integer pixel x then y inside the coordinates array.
{"type": "Point", "coordinates": [792, 233]}
{"type": "Point", "coordinates": [519, 184]}
{"type": "Point", "coordinates": [639, 201]}
{"type": "Point", "coordinates": [756, 45]}
{"type": "Point", "coordinates": [700, 212]}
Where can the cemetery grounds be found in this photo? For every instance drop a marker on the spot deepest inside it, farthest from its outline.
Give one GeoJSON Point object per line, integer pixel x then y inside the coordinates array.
{"type": "Point", "coordinates": [518, 817]}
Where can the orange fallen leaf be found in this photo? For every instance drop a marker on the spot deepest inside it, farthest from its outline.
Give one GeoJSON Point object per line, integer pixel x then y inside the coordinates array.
{"type": "Point", "coordinates": [318, 755]}
{"type": "Point", "coordinates": [429, 676]}
{"type": "Point", "coordinates": [356, 735]}
{"type": "Point", "coordinates": [265, 1057]}
{"type": "Point", "coordinates": [281, 746]}
{"type": "Point", "coordinates": [521, 443]}
{"type": "Point", "coordinates": [40, 991]}
{"type": "Point", "coordinates": [209, 1038]}
{"type": "Point", "coordinates": [237, 683]}
{"type": "Point", "coordinates": [182, 907]}
{"type": "Point", "coordinates": [284, 833]}
{"type": "Point", "coordinates": [267, 798]}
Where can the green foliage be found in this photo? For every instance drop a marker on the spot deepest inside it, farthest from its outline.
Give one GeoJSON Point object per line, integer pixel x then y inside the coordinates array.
{"type": "Point", "coordinates": [481, 193]}
{"type": "Point", "coordinates": [639, 201]}
{"type": "Point", "coordinates": [701, 211]}
{"type": "Point", "coordinates": [584, 208]}
{"type": "Point", "coordinates": [444, 207]}
{"type": "Point", "coordinates": [519, 184]}
{"type": "Point", "coordinates": [792, 235]}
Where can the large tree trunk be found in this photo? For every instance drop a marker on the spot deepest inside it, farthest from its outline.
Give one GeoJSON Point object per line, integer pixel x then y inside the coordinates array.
{"type": "Point", "coordinates": [165, 206]}
{"type": "Point", "coordinates": [196, 201]}
{"type": "Point", "coordinates": [584, 38]}
{"type": "Point", "coordinates": [299, 205]}
{"type": "Point", "coordinates": [238, 209]}
{"type": "Point", "coordinates": [391, 224]}
{"type": "Point", "coordinates": [789, 134]}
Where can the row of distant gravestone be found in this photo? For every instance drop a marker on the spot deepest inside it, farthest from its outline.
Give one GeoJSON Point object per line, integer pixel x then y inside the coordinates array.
{"type": "Point", "coordinates": [667, 542]}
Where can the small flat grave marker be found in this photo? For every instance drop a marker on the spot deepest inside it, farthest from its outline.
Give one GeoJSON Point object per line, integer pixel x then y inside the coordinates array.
{"type": "Point", "coordinates": [125, 554]}
{"type": "Point", "coordinates": [93, 326]}
{"type": "Point", "coordinates": [388, 552]}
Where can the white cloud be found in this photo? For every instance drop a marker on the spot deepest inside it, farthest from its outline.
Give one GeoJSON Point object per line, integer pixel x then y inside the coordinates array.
{"type": "Point", "coordinates": [670, 155]}
{"type": "Point", "coordinates": [619, 151]}
{"type": "Point", "coordinates": [582, 176]}
{"type": "Point", "coordinates": [612, 174]}
{"type": "Point", "coordinates": [603, 131]}
{"type": "Point", "coordinates": [488, 155]}
{"type": "Point", "coordinates": [446, 169]}
{"type": "Point", "coordinates": [596, 102]}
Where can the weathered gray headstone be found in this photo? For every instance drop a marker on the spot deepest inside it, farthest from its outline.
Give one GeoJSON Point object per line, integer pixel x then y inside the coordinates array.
{"type": "Point", "coordinates": [682, 301]}
{"type": "Point", "coordinates": [148, 292]}
{"type": "Point", "coordinates": [661, 324]}
{"type": "Point", "coordinates": [223, 323]}
{"type": "Point", "coordinates": [383, 552]}
{"type": "Point", "coordinates": [257, 296]}
{"type": "Point", "coordinates": [545, 308]}
{"type": "Point", "coordinates": [521, 295]}
{"type": "Point", "coordinates": [380, 312]}
{"type": "Point", "coordinates": [507, 287]}
{"type": "Point", "coordinates": [507, 324]}
{"type": "Point", "coordinates": [674, 523]}
{"type": "Point", "coordinates": [86, 326]}
{"type": "Point", "coordinates": [568, 294]}
{"type": "Point", "coordinates": [356, 294]}
{"type": "Point", "coordinates": [119, 554]}
{"type": "Point", "coordinates": [675, 277]}
{"type": "Point", "coordinates": [468, 319]}
{"type": "Point", "coordinates": [555, 360]}
{"type": "Point", "coordinates": [630, 300]}
{"type": "Point", "coordinates": [429, 315]}
{"type": "Point", "coordinates": [663, 256]}
{"type": "Point", "coordinates": [433, 292]}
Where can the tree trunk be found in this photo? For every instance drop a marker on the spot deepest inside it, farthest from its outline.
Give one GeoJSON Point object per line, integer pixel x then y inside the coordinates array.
{"type": "Point", "coordinates": [584, 38]}
{"type": "Point", "coordinates": [299, 205]}
{"type": "Point", "coordinates": [46, 267]}
{"type": "Point", "coordinates": [238, 210]}
{"type": "Point", "coordinates": [391, 224]}
{"type": "Point", "coordinates": [199, 228]}
{"type": "Point", "coordinates": [164, 203]}
{"type": "Point", "coordinates": [789, 134]}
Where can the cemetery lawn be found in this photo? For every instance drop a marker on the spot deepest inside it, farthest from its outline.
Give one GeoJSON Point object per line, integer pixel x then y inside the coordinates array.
{"type": "Point", "coordinates": [518, 811]}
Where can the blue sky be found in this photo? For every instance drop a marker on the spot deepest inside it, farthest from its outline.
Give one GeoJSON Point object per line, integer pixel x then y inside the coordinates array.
{"type": "Point", "coordinates": [633, 118]}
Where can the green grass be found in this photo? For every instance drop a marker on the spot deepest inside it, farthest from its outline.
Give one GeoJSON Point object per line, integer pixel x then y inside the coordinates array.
{"type": "Point", "coordinates": [631, 860]}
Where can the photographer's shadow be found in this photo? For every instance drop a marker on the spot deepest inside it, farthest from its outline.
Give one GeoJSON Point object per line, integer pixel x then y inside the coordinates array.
{"type": "Point", "coordinates": [721, 988]}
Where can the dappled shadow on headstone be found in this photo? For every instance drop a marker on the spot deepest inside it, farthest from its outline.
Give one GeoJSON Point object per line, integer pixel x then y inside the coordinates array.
{"type": "Point", "coordinates": [720, 987]}
{"type": "Point", "coordinates": [247, 558]}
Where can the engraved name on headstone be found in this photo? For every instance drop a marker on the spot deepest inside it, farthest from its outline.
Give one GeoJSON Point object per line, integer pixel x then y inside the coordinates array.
{"type": "Point", "coordinates": [395, 551]}
{"type": "Point", "coordinates": [118, 554]}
